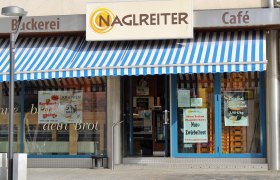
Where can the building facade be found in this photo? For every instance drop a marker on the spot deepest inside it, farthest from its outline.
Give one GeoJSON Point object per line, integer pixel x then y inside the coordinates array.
{"type": "Point", "coordinates": [210, 98]}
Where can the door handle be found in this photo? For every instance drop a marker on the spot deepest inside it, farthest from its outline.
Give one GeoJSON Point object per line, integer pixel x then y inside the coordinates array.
{"type": "Point", "coordinates": [165, 117]}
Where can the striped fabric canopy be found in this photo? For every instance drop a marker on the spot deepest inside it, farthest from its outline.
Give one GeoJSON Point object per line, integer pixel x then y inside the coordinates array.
{"type": "Point", "coordinates": [61, 57]}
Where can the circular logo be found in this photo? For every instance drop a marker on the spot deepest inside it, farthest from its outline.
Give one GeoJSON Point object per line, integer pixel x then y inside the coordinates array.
{"type": "Point", "coordinates": [101, 19]}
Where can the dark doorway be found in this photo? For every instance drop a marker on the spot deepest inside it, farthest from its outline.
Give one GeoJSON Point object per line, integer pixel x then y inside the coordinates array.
{"type": "Point", "coordinates": [144, 100]}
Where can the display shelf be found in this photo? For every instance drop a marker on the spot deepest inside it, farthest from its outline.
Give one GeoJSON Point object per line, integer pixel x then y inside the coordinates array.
{"type": "Point", "coordinates": [238, 140]}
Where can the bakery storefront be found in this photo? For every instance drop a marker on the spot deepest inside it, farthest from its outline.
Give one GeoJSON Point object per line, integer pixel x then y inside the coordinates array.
{"type": "Point", "coordinates": [194, 93]}
{"type": "Point", "coordinates": [216, 103]}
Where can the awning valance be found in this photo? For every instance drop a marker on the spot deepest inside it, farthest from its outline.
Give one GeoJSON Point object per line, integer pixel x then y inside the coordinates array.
{"type": "Point", "coordinates": [61, 57]}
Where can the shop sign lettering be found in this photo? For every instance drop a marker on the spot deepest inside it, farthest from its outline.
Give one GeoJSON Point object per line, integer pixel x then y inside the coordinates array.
{"type": "Point", "coordinates": [50, 111]}
{"type": "Point", "coordinates": [5, 111]}
{"type": "Point", "coordinates": [239, 18]}
{"type": "Point", "coordinates": [35, 25]}
{"type": "Point", "coordinates": [33, 110]}
{"type": "Point", "coordinates": [77, 126]}
{"type": "Point", "coordinates": [123, 20]}
{"type": "Point", "coordinates": [57, 126]}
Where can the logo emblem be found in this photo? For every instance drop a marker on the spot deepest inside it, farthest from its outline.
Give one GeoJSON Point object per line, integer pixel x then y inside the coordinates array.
{"type": "Point", "coordinates": [100, 20]}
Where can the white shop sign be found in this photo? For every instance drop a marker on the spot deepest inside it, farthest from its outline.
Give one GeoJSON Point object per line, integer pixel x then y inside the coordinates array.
{"type": "Point", "coordinates": [132, 20]}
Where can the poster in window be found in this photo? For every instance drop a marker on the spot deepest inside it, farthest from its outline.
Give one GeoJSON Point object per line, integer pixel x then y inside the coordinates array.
{"type": "Point", "coordinates": [196, 102]}
{"type": "Point", "coordinates": [184, 99]}
{"type": "Point", "coordinates": [142, 88]}
{"type": "Point", "coordinates": [236, 108]}
{"type": "Point", "coordinates": [195, 125]}
{"type": "Point", "coordinates": [60, 107]}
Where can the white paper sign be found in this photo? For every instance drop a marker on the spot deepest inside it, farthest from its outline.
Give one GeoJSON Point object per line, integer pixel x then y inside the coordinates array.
{"type": "Point", "coordinates": [196, 102]}
{"type": "Point", "coordinates": [184, 98]}
{"type": "Point", "coordinates": [195, 125]}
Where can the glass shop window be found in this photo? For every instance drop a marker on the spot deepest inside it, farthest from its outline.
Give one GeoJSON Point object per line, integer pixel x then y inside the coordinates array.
{"type": "Point", "coordinates": [196, 128]}
{"type": "Point", "coordinates": [65, 116]}
{"type": "Point", "coordinates": [240, 113]}
{"type": "Point", "coordinates": [4, 118]}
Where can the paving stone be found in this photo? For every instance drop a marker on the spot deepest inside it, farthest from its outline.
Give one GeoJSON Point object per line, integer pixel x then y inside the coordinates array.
{"type": "Point", "coordinates": [146, 174]}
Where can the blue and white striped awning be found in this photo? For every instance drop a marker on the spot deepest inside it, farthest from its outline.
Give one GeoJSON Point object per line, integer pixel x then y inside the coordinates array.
{"type": "Point", "coordinates": [61, 57]}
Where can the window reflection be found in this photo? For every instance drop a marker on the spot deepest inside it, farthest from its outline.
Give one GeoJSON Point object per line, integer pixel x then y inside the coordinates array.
{"type": "Point", "coordinates": [61, 116]}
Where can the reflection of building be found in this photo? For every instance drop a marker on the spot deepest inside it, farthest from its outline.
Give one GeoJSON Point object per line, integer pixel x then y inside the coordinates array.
{"type": "Point", "coordinates": [108, 75]}
{"type": "Point", "coordinates": [56, 135]}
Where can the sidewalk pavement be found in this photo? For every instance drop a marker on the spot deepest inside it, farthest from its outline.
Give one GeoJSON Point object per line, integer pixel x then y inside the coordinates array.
{"type": "Point", "coordinates": [146, 174]}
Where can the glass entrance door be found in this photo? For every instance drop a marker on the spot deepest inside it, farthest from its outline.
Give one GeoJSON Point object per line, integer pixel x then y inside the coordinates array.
{"type": "Point", "coordinates": [195, 114]}
{"type": "Point", "coordinates": [144, 132]}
